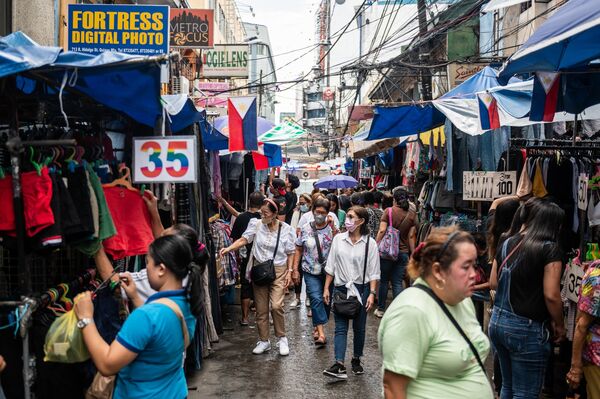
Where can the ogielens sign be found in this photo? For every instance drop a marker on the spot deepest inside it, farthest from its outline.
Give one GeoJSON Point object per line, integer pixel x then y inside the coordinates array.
{"type": "Point", "coordinates": [225, 60]}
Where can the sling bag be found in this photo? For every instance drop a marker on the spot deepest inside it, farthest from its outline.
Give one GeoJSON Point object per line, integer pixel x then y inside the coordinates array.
{"type": "Point", "coordinates": [264, 273]}
{"type": "Point", "coordinates": [350, 308]}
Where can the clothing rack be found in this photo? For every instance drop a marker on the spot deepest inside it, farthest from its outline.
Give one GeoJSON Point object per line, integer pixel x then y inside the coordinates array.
{"type": "Point", "coordinates": [50, 297]}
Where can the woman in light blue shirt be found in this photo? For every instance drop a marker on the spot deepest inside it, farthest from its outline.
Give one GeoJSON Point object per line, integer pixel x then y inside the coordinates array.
{"type": "Point", "coordinates": [147, 355]}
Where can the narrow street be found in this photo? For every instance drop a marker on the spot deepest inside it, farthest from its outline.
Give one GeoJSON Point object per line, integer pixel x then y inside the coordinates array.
{"type": "Point", "coordinates": [232, 371]}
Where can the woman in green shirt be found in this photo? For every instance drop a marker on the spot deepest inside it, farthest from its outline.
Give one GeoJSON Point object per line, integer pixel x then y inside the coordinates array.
{"type": "Point", "coordinates": [335, 208]}
{"type": "Point", "coordinates": [424, 355]}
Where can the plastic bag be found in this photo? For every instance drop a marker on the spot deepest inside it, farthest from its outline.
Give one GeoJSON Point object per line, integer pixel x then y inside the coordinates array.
{"type": "Point", "coordinates": [64, 341]}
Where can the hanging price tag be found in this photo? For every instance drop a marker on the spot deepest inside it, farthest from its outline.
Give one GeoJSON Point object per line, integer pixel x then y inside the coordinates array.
{"type": "Point", "coordinates": [573, 276]}
{"type": "Point", "coordinates": [582, 192]}
{"type": "Point", "coordinates": [164, 159]}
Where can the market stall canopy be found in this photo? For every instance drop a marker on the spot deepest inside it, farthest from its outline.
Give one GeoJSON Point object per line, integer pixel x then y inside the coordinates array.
{"type": "Point", "coordinates": [126, 83]}
{"type": "Point", "coordinates": [182, 111]}
{"type": "Point", "coordinates": [404, 120]}
{"type": "Point", "coordinates": [212, 139]}
{"type": "Point", "coordinates": [567, 40]}
{"type": "Point", "coordinates": [282, 134]}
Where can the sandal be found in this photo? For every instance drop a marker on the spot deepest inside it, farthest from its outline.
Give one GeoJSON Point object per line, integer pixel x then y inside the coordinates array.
{"type": "Point", "coordinates": [320, 342]}
{"type": "Point", "coordinates": [315, 334]}
{"type": "Point", "coordinates": [244, 323]}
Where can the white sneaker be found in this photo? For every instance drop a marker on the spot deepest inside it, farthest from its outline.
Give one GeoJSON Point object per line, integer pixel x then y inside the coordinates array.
{"type": "Point", "coordinates": [379, 313]}
{"type": "Point", "coordinates": [294, 304]}
{"type": "Point", "coordinates": [262, 347]}
{"type": "Point", "coordinates": [307, 303]}
{"type": "Point", "coordinates": [284, 347]}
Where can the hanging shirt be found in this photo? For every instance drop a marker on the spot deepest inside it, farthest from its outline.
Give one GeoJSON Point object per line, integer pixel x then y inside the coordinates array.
{"type": "Point", "coordinates": [153, 331]}
{"type": "Point", "coordinates": [132, 221]}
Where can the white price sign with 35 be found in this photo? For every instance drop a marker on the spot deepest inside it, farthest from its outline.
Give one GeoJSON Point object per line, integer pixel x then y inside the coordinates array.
{"type": "Point", "coordinates": [164, 159]}
{"type": "Point", "coordinates": [574, 275]}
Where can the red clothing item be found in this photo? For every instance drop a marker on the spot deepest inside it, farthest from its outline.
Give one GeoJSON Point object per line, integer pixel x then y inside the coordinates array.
{"type": "Point", "coordinates": [37, 194]}
{"type": "Point", "coordinates": [132, 220]}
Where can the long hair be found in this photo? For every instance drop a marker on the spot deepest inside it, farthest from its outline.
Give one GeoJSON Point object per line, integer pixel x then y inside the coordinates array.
{"type": "Point", "coordinates": [500, 224]}
{"type": "Point", "coordinates": [541, 222]}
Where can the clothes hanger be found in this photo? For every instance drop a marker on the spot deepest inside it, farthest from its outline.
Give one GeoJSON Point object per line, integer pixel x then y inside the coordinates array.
{"type": "Point", "coordinates": [124, 181]}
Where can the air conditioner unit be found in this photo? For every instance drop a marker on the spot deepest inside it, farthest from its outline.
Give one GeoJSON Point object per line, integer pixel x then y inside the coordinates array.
{"type": "Point", "coordinates": [180, 85]}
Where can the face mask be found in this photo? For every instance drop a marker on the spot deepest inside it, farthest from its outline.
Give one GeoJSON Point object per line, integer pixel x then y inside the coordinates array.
{"type": "Point", "coordinates": [266, 220]}
{"type": "Point", "coordinates": [350, 225]}
{"type": "Point", "coordinates": [303, 208]}
{"type": "Point", "coordinates": [320, 219]}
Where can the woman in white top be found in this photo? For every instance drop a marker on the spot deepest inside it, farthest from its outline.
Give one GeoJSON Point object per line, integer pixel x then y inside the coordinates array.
{"type": "Point", "coordinates": [304, 206]}
{"type": "Point", "coordinates": [263, 233]}
{"type": "Point", "coordinates": [352, 275]}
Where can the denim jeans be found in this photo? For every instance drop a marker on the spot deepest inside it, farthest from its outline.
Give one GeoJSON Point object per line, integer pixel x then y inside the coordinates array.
{"type": "Point", "coordinates": [314, 290]}
{"type": "Point", "coordinates": [358, 327]}
{"type": "Point", "coordinates": [523, 348]}
{"type": "Point", "coordinates": [391, 271]}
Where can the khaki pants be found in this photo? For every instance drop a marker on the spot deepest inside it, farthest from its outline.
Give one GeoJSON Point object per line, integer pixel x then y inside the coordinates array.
{"type": "Point", "coordinates": [592, 378]}
{"type": "Point", "coordinates": [273, 293]}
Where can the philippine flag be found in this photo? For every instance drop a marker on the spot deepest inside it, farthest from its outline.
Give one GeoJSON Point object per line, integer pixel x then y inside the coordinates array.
{"type": "Point", "coordinates": [488, 111]}
{"type": "Point", "coordinates": [545, 96]}
{"type": "Point", "coordinates": [242, 124]}
{"type": "Point", "coordinates": [267, 156]}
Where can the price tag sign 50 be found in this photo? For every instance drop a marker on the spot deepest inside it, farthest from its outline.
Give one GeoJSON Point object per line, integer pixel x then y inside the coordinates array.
{"type": "Point", "coordinates": [164, 159]}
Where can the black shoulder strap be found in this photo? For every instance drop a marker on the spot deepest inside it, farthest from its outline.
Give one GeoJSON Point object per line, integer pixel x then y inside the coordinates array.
{"type": "Point", "coordinates": [366, 258]}
{"type": "Point", "coordinates": [316, 235]}
{"type": "Point", "coordinates": [453, 320]}
{"type": "Point", "coordinates": [277, 242]}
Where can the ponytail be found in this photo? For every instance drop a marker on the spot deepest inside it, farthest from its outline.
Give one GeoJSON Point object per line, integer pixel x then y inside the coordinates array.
{"type": "Point", "coordinates": [194, 289]}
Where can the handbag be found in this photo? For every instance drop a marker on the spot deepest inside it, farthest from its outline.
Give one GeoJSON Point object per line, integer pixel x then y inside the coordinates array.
{"type": "Point", "coordinates": [103, 387]}
{"type": "Point", "coordinates": [345, 307]}
{"type": "Point", "coordinates": [389, 246]}
{"type": "Point", "coordinates": [320, 259]}
{"type": "Point", "coordinates": [264, 273]}
{"type": "Point", "coordinates": [454, 322]}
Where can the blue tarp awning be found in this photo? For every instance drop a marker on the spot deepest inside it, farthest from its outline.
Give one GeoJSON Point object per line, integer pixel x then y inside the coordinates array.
{"type": "Point", "coordinates": [126, 83]}
{"type": "Point", "coordinates": [567, 40]}
{"type": "Point", "coordinates": [212, 138]}
{"type": "Point", "coordinates": [405, 120]}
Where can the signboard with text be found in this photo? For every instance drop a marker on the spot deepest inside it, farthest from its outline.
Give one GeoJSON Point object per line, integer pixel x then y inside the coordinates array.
{"type": "Point", "coordinates": [164, 159]}
{"type": "Point", "coordinates": [225, 61]}
{"type": "Point", "coordinates": [487, 186]}
{"type": "Point", "coordinates": [206, 94]}
{"type": "Point", "coordinates": [191, 28]}
{"type": "Point", "coordinates": [458, 73]}
{"type": "Point", "coordinates": [130, 29]}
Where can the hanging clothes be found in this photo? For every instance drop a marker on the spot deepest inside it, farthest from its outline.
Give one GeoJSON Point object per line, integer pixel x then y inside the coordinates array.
{"type": "Point", "coordinates": [132, 222]}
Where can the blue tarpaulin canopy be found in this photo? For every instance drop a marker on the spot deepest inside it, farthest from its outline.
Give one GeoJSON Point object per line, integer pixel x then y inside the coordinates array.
{"type": "Point", "coordinates": [567, 40]}
{"type": "Point", "coordinates": [126, 83]}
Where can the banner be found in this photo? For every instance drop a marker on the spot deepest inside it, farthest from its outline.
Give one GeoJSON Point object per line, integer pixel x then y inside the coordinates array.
{"type": "Point", "coordinates": [206, 94]}
{"type": "Point", "coordinates": [131, 29]}
{"type": "Point", "coordinates": [191, 28]}
{"type": "Point", "coordinates": [225, 61]}
{"type": "Point", "coordinates": [242, 124]}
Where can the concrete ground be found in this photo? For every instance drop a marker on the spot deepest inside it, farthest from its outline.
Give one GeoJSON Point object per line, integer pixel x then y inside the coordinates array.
{"type": "Point", "coordinates": [232, 371]}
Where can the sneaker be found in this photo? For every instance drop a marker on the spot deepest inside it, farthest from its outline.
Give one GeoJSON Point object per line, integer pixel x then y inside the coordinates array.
{"type": "Point", "coordinates": [307, 303]}
{"type": "Point", "coordinates": [338, 370]}
{"type": "Point", "coordinates": [284, 347]}
{"type": "Point", "coordinates": [379, 313]}
{"type": "Point", "coordinates": [294, 304]}
{"type": "Point", "coordinates": [262, 347]}
{"type": "Point", "coordinates": [357, 369]}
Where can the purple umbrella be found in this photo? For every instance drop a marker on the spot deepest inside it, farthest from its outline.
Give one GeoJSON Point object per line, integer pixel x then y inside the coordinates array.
{"type": "Point", "coordinates": [222, 124]}
{"type": "Point", "coordinates": [336, 181]}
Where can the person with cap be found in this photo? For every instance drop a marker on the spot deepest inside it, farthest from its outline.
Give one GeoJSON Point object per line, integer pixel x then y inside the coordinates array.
{"type": "Point", "coordinates": [393, 270]}
{"type": "Point", "coordinates": [273, 240]}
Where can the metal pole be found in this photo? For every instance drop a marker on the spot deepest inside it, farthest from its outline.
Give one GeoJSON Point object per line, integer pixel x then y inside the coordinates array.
{"type": "Point", "coordinates": [424, 51]}
{"type": "Point", "coordinates": [260, 94]}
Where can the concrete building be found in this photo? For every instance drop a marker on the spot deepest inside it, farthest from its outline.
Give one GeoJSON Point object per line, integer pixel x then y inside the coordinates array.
{"type": "Point", "coordinates": [261, 68]}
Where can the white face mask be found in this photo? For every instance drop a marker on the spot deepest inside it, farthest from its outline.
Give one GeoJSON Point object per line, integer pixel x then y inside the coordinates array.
{"type": "Point", "coordinates": [320, 219]}
{"type": "Point", "coordinates": [303, 208]}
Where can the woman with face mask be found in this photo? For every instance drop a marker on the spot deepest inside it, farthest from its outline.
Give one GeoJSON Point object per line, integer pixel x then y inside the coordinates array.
{"type": "Point", "coordinates": [312, 249]}
{"type": "Point", "coordinates": [304, 206]}
{"type": "Point", "coordinates": [264, 233]}
{"type": "Point", "coordinates": [353, 268]}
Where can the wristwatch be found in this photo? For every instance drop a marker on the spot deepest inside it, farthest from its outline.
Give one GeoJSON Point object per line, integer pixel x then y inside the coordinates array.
{"type": "Point", "coordinates": [81, 324]}
{"type": "Point", "coordinates": [373, 293]}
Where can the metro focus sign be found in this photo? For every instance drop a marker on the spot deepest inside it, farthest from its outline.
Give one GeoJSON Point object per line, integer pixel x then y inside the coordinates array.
{"type": "Point", "coordinates": [191, 28]}
{"type": "Point", "coordinates": [131, 29]}
{"type": "Point", "coordinates": [225, 61]}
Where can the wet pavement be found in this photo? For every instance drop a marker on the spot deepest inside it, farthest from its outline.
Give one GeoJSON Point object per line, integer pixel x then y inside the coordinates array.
{"type": "Point", "coordinates": [232, 371]}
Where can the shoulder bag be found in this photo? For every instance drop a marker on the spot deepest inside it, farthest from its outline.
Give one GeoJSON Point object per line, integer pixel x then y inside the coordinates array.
{"type": "Point", "coordinates": [321, 259]}
{"type": "Point", "coordinates": [103, 387]}
{"type": "Point", "coordinates": [389, 246]}
{"type": "Point", "coordinates": [264, 273]}
{"type": "Point", "coordinates": [453, 321]}
{"type": "Point", "coordinates": [343, 306]}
